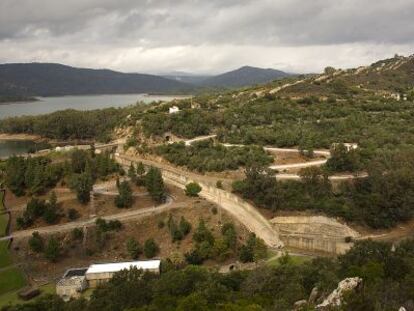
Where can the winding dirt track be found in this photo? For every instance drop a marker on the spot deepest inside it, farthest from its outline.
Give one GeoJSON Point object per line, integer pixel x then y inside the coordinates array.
{"type": "Point", "coordinates": [123, 217]}
{"type": "Point", "coordinates": [241, 210]}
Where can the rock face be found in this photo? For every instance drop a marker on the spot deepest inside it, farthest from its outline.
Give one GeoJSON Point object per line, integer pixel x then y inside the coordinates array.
{"type": "Point", "coordinates": [313, 295]}
{"type": "Point", "coordinates": [299, 304]}
{"type": "Point", "coordinates": [314, 233]}
{"type": "Point", "coordinates": [335, 298]}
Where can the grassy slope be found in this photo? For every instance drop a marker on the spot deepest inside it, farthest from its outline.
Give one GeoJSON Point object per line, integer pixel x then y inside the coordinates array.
{"type": "Point", "coordinates": [11, 279]}
{"type": "Point", "coordinates": [5, 259]}
{"type": "Point", "coordinates": [3, 218]}
{"type": "Point", "coordinates": [12, 298]}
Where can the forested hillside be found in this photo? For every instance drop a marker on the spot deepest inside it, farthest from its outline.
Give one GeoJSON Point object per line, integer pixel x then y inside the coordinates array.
{"type": "Point", "coordinates": [42, 79]}
{"type": "Point", "coordinates": [244, 76]}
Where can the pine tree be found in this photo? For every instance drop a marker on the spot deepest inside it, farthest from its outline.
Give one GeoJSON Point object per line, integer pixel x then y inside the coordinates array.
{"type": "Point", "coordinates": [125, 198]}
{"type": "Point", "coordinates": [155, 185]}
{"type": "Point", "coordinates": [53, 200]}
{"type": "Point", "coordinates": [15, 175]}
{"type": "Point", "coordinates": [134, 248]}
{"type": "Point", "coordinates": [132, 173]}
{"type": "Point", "coordinates": [52, 250]}
{"type": "Point", "coordinates": [140, 174]}
{"type": "Point", "coordinates": [83, 185]}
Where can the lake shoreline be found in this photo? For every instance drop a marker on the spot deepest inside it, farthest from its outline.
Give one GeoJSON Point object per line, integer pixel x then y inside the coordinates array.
{"type": "Point", "coordinates": [39, 99]}
{"type": "Point", "coordinates": [47, 105]}
{"type": "Point", "coordinates": [21, 136]}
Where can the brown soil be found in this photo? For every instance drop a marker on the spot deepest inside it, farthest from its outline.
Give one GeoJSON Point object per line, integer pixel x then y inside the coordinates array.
{"type": "Point", "coordinates": [5, 136]}
{"type": "Point", "coordinates": [282, 158]}
{"type": "Point", "coordinates": [102, 205]}
{"type": "Point", "coordinates": [77, 255]}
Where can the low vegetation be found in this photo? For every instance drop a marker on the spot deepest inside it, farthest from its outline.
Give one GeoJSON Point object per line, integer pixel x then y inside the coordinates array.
{"type": "Point", "coordinates": [207, 156]}
{"type": "Point", "coordinates": [381, 200]}
{"type": "Point", "coordinates": [387, 275]}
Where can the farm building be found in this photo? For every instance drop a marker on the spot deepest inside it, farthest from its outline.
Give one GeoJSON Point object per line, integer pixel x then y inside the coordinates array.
{"type": "Point", "coordinates": [100, 273]}
{"type": "Point", "coordinates": [72, 284]}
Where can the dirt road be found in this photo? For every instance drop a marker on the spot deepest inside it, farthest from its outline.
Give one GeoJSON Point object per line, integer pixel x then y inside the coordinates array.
{"type": "Point", "coordinates": [123, 217]}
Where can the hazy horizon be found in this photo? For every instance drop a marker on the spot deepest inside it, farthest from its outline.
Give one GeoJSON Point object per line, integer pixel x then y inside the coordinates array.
{"type": "Point", "coordinates": [202, 37]}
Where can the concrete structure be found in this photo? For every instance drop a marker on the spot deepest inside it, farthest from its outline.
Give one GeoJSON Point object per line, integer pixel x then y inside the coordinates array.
{"type": "Point", "coordinates": [243, 211]}
{"type": "Point", "coordinates": [72, 284]}
{"type": "Point", "coordinates": [101, 273]}
{"type": "Point", "coordinates": [174, 109]}
{"type": "Point", "coordinates": [315, 234]}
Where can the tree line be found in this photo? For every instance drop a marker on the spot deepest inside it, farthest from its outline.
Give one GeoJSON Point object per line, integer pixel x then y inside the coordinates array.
{"type": "Point", "coordinates": [387, 274]}
{"type": "Point", "coordinates": [381, 200]}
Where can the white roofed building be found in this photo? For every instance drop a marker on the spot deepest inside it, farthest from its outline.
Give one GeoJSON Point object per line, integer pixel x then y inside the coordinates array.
{"type": "Point", "coordinates": [173, 109]}
{"type": "Point", "coordinates": [100, 273]}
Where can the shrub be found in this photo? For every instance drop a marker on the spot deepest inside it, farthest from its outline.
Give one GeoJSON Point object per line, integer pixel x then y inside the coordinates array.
{"type": "Point", "coordinates": [151, 248]}
{"type": "Point", "coordinates": [192, 189]}
{"type": "Point", "coordinates": [73, 214]}
{"type": "Point", "coordinates": [52, 250]}
{"type": "Point", "coordinates": [134, 248]}
{"type": "Point", "coordinates": [36, 242]}
{"type": "Point", "coordinates": [77, 234]}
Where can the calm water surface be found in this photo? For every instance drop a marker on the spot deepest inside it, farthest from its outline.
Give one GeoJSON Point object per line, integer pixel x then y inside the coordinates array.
{"type": "Point", "coordinates": [52, 104]}
{"type": "Point", "coordinates": [11, 147]}
{"type": "Point", "coordinates": [84, 102]}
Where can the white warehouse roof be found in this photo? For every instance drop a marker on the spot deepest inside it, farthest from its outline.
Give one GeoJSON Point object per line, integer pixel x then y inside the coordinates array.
{"type": "Point", "coordinates": [116, 267]}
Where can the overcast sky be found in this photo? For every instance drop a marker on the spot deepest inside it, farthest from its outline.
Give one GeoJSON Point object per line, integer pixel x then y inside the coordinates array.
{"type": "Point", "coordinates": [207, 36]}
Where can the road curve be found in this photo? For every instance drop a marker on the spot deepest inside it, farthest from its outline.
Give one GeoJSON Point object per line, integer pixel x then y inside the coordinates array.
{"type": "Point", "coordinates": [241, 210]}
{"type": "Point", "coordinates": [283, 176]}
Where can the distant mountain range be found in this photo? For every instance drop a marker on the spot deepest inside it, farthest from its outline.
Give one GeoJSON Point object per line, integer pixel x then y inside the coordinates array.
{"type": "Point", "coordinates": [47, 79]}
{"type": "Point", "coordinates": [40, 79]}
{"type": "Point", "coordinates": [244, 76]}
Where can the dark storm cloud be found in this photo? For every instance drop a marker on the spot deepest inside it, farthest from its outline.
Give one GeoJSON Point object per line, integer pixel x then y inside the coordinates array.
{"type": "Point", "coordinates": [55, 28]}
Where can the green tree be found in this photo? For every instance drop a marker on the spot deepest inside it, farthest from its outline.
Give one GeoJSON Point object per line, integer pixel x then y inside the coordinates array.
{"type": "Point", "coordinates": [36, 242]}
{"type": "Point", "coordinates": [83, 185]}
{"type": "Point", "coordinates": [15, 175]}
{"type": "Point", "coordinates": [155, 185]}
{"type": "Point", "coordinates": [203, 234]}
{"type": "Point", "coordinates": [185, 226]}
{"type": "Point", "coordinates": [140, 174]}
{"type": "Point", "coordinates": [134, 248]}
{"type": "Point", "coordinates": [125, 198]}
{"type": "Point", "coordinates": [132, 173]}
{"type": "Point", "coordinates": [52, 250]}
{"type": "Point", "coordinates": [151, 248]}
{"type": "Point", "coordinates": [192, 189]}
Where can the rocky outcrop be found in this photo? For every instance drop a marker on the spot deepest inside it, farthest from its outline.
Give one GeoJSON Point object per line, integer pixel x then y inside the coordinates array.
{"type": "Point", "coordinates": [335, 298]}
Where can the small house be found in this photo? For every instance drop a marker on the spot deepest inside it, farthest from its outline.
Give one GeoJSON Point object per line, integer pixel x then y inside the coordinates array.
{"type": "Point", "coordinates": [174, 109]}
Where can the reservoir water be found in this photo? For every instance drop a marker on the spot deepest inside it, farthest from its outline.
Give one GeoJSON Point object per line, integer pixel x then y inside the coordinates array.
{"type": "Point", "coordinates": [84, 102]}
{"type": "Point", "coordinates": [11, 147]}
{"type": "Point", "coordinates": [51, 104]}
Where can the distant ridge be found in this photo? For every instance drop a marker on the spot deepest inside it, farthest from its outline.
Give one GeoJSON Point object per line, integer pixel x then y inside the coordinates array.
{"type": "Point", "coordinates": [48, 79]}
{"type": "Point", "coordinates": [244, 76]}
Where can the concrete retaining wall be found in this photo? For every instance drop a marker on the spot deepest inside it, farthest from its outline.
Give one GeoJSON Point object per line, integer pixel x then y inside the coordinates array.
{"type": "Point", "coordinates": [240, 209]}
{"type": "Point", "coordinates": [314, 233]}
